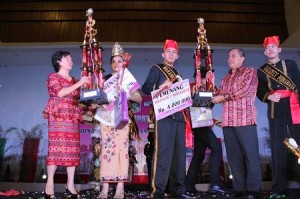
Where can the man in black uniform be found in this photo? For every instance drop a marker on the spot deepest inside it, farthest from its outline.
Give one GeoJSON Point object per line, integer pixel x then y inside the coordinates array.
{"type": "Point", "coordinates": [169, 154]}
{"type": "Point", "coordinates": [204, 138]}
{"type": "Point", "coordinates": [279, 84]}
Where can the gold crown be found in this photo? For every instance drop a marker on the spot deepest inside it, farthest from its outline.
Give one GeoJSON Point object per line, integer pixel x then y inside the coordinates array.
{"type": "Point", "coordinates": [117, 50]}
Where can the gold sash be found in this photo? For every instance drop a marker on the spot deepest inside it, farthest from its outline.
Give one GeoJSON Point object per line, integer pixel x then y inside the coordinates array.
{"type": "Point", "coordinates": [167, 71]}
{"type": "Point", "coordinates": [291, 89]}
{"type": "Point", "coordinates": [278, 76]}
{"type": "Point", "coordinates": [134, 129]}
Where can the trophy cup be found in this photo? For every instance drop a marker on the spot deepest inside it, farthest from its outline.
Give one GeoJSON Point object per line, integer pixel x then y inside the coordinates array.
{"type": "Point", "coordinates": [201, 113]}
{"type": "Point", "coordinates": [203, 55]}
{"type": "Point", "coordinates": [92, 92]}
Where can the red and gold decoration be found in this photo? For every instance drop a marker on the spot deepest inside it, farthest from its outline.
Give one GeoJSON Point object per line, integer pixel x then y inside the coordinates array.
{"type": "Point", "coordinates": [203, 60]}
{"type": "Point", "coordinates": [92, 64]}
{"type": "Point", "coordinates": [201, 113]}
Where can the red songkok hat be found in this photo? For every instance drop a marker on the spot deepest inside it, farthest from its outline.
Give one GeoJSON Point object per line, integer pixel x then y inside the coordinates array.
{"type": "Point", "coordinates": [170, 44]}
{"type": "Point", "coordinates": [272, 40]}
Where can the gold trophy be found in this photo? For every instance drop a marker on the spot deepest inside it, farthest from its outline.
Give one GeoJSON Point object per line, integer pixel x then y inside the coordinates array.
{"type": "Point", "coordinates": [291, 144]}
{"type": "Point", "coordinates": [203, 65]}
{"type": "Point", "coordinates": [92, 92]}
{"type": "Point", "coordinates": [201, 113]}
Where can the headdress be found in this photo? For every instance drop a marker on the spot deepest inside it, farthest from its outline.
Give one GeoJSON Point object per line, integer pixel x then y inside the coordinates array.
{"type": "Point", "coordinates": [170, 44]}
{"type": "Point", "coordinates": [117, 50]}
{"type": "Point", "coordinates": [272, 40]}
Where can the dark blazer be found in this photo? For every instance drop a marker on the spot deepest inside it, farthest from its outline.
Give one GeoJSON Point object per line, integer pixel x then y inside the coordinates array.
{"type": "Point", "coordinates": [154, 79]}
{"type": "Point", "coordinates": [266, 85]}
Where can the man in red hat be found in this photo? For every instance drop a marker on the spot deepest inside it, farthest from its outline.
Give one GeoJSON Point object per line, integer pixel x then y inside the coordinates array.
{"type": "Point", "coordinates": [169, 153]}
{"type": "Point", "coordinates": [279, 85]}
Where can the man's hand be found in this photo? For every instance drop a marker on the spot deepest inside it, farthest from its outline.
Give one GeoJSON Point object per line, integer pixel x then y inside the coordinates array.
{"type": "Point", "coordinates": [166, 84]}
{"type": "Point", "coordinates": [275, 97]}
{"type": "Point", "coordinates": [218, 99]}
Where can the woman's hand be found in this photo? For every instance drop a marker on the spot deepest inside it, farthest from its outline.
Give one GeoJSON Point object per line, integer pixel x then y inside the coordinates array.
{"type": "Point", "coordinates": [66, 91]}
{"type": "Point", "coordinates": [135, 96]}
{"type": "Point", "coordinates": [94, 106]}
{"type": "Point", "coordinates": [101, 83]}
{"type": "Point", "coordinates": [83, 80]}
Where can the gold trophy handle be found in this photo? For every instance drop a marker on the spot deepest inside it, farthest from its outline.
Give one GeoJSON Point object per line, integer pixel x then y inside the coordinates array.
{"type": "Point", "coordinates": [289, 145]}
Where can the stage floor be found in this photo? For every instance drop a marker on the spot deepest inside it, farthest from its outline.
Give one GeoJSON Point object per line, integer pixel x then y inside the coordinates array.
{"type": "Point", "coordinates": [35, 191]}
{"type": "Point", "coordinates": [90, 194]}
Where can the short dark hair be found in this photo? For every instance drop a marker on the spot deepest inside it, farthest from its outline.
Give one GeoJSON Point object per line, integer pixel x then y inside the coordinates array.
{"type": "Point", "coordinates": [241, 52]}
{"type": "Point", "coordinates": [56, 57]}
{"type": "Point", "coordinates": [111, 58]}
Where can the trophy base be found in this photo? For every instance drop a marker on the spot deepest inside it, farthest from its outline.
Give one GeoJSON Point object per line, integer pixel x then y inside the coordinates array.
{"type": "Point", "coordinates": [94, 96]}
{"type": "Point", "coordinates": [203, 99]}
{"type": "Point", "coordinates": [201, 117]}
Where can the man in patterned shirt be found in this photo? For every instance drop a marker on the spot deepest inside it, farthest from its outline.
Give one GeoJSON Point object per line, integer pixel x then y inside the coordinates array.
{"type": "Point", "coordinates": [238, 93]}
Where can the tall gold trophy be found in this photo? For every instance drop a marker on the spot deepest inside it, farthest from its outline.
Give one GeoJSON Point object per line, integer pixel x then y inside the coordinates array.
{"type": "Point", "coordinates": [91, 67]}
{"type": "Point", "coordinates": [201, 113]}
{"type": "Point", "coordinates": [203, 67]}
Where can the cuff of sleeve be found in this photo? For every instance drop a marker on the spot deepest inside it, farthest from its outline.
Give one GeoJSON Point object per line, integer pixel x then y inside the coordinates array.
{"type": "Point", "coordinates": [265, 98]}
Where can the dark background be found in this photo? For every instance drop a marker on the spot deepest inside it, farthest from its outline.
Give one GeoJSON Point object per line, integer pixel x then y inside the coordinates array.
{"type": "Point", "coordinates": [228, 21]}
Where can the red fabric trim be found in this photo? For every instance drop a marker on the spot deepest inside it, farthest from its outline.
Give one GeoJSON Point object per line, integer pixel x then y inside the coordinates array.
{"type": "Point", "coordinates": [294, 104]}
{"type": "Point", "coordinates": [188, 129]}
{"type": "Point", "coordinates": [11, 192]}
{"type": "Point", "coordinates": [140, 179]}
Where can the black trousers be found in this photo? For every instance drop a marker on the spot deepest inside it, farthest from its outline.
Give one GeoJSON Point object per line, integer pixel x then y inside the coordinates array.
{"type": "Point", "coordinates": [243, 157]}
{"type": "Point", "coordinates": [279, 128]}
{"type": "Point", "coordinates": [169, 157]}
{"type": "Point", "coordinates": [204, 138]}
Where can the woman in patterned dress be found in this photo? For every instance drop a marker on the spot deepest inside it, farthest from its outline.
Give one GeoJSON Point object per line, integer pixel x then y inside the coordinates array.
{"type": "Point", "coordinates": [114, 166]}
{"type": "Point", "coordinates": [63, 122]}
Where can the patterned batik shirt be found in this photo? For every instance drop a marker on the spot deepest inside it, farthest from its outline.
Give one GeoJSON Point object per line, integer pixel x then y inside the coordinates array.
{"type": "Point", "coordinates": [239, 89]}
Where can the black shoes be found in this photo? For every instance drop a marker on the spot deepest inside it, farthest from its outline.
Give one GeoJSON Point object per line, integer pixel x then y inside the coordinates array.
{"type": "Point", "coordinates": [252, 195]}
{"type": "Point", "coordinates": [185, 195]}
{"type": "Point", "coordinates": [236, 194]}
{"type": "Point", "coordinates": [49, 196]}
{"type": "Point", "coordinates": [217, 189]}
{"type": "Point", "coordinates": [70, 195]}
{"type": "Point", "coordinates": [190, 194]}
{"type": "Point", "coordinates": [280, 195]}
